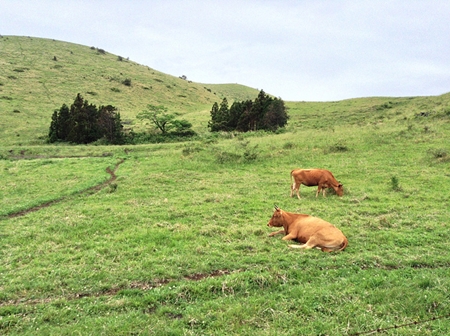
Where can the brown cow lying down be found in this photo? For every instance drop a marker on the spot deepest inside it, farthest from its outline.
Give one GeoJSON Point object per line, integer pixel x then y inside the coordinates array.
{"type": "Point", "coordinates": [321, 178]}
{"type": "Point", "coordinates": [308, 230]}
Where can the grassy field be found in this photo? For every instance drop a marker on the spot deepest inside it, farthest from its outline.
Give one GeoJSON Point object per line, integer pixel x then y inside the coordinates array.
{"type": "Point", "coordinates": [177, 243]}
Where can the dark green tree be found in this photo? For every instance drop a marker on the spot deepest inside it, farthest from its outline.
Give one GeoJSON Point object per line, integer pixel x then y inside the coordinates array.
{"type": "Point", "coordinates": [63, 122]}
{"type": "Point", "coordinates": [219, 117]}
{"type": "Point", "coordinates": [83, 121]}
{"type": "Point", "coordinates": [110, 125]}
{"type": "Point", "coordinates": [236, 110]}
{"type": "Point", "coordinates": [213, 123]}
{"type": "Point", "coordinates": [258, 110]}
{"type": "Point", "coordinates": [275, 116]}
{"type": "Point", "coordinates": [224, 113]}
{"type": "Point", "coordinates": [245, 119]}
{"type": "Point", "coordinates": [53, 132]}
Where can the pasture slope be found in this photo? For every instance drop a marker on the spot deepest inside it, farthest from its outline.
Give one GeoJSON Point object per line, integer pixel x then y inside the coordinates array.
{"type": "Point", "coordinates": [38, 75]}
{"type": "Point", "coordinates": [177, 243]}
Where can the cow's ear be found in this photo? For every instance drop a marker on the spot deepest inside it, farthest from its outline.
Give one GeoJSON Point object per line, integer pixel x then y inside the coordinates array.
{"type": "Point", "coordinates": [276, 207]}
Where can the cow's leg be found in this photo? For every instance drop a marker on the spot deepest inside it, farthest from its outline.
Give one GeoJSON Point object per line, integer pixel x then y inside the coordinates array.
{"type": "Point", "coordinates": [289, 236]}
{"type": "Point", "coordinates": [275, 233]}
{"type": "Point", "coordinates": [311, 243]}
{"type": "Point", "coordinates": [295, 188]}
{"type": "Point", "coordinates": [326, 249]}
{"type": "Point", "coordinates": [304, 246]}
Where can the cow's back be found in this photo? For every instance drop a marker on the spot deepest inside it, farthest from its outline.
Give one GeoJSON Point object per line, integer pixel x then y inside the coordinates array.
{"type": "Point", "coordinates": [309, 225]}
{"type": "Point", "coordinates": [309, 177]}
{"type": "Point", "coordinates": [320, 230]}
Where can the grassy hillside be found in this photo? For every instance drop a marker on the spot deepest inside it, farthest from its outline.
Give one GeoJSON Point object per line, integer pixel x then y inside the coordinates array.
{"type": "Point", "coordinates": [172, 239]}
{"type": "Point", "coordinates": [38, 75]}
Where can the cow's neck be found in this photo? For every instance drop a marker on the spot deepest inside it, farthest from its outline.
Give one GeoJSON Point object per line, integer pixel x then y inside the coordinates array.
{"type": "Point", "coordinates": [288, 219]}
{"type": "Point", "coordinates": [334, 184]}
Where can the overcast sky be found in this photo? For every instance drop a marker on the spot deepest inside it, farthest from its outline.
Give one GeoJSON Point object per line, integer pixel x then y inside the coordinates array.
{"type": "Point", "coordinates": [300, 50]}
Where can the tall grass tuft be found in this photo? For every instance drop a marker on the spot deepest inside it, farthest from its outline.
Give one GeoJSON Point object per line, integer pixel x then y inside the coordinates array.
{"type": "Point", "coordinates": [395, 184]}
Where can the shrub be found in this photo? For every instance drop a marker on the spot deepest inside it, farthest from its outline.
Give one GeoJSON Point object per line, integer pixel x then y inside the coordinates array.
{"type": "Point", "coordinates": [227, 157]}
{"type": "Point", "coordinates": [250, 153]}
{"type": "Point", "coordinates": [338, 147]}
{"type": "Point", "coordinates": [440, 154]}
{"type": "Point", "coordinates": [245, 153]}
{"type": "Point", "coordinates": [395, 184]}
{"type": "Point", "coordinates": [190, 149]}
{"type": "Point", "coordinates": [289, 145]}
{"type": "Point", "coordinates": [112, 187]}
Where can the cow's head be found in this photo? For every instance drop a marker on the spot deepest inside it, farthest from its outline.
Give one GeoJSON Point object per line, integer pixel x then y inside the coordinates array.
{"type": "Point", "coordinates": [277, 218]}
{"type": "Point", "coordinates": [340, 189]}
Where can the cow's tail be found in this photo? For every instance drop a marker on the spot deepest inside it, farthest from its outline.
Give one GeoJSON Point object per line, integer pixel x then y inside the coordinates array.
{"type": "Point", "coordinates": [343, 245]}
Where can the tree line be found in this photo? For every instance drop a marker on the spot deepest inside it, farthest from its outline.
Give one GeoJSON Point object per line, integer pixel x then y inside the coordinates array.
{"type": "Point", "coordinates": [264, 113]}
{"type": "Point", "coordinates": [84, 123]}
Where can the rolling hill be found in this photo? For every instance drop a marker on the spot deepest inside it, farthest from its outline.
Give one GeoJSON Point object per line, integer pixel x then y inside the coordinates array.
{"type": "Point", "coordinates": [38, 75]}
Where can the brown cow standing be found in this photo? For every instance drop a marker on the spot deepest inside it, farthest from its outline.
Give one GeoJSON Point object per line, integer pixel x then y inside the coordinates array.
{"type": "Point", "coordinates": [309, 230]}
{"type": "Point", "coordinates": [315, 177]}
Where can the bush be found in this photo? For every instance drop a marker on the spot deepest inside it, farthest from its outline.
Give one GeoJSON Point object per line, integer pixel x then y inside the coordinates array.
{"type": "Point", "coordinates": [245, 153]}
{"type": "Point", "coordinates": [440, 154]}
{"type": "Point", "coordinates": [395, 184]}
{"type": "Point", "coordinates": [190, 149]}
{"type": "Point", "coordinates": [338, 147]}
{"type": "Point", "coordinates": [250, 153]}
{"type": "Point", "coordinates": [289, 145]}
{"type": "Point", "coordinates": [227, 157]}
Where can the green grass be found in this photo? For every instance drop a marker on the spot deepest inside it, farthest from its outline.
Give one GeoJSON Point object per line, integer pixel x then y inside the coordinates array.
{"type": "Point", "coordinates": [178, 244]}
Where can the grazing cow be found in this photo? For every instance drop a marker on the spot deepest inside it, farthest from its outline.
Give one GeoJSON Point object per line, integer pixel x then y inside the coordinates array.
{"type": "Point", "coordinates": [308, 230]}
{"type": "Point", "coordinates": [321, 178]}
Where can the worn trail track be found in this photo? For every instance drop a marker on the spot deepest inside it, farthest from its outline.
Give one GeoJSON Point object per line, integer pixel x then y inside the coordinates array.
{"type": "Point", "coordinates": [112, 178]}
{"type": "Point", "coordinates": [137, 285]}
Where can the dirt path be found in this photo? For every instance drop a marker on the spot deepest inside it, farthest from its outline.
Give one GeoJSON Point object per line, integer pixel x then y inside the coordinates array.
{"type": "Point", "coordinates": [112, 178]}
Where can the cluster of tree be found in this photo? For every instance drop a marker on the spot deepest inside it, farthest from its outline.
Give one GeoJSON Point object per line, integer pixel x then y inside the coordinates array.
{"type": "Point", "coordinates": [84, 123]}
{"type": "Point", "coordinates": [264, 113]}
{"type": "Point", "coordinates": [166, 123]}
